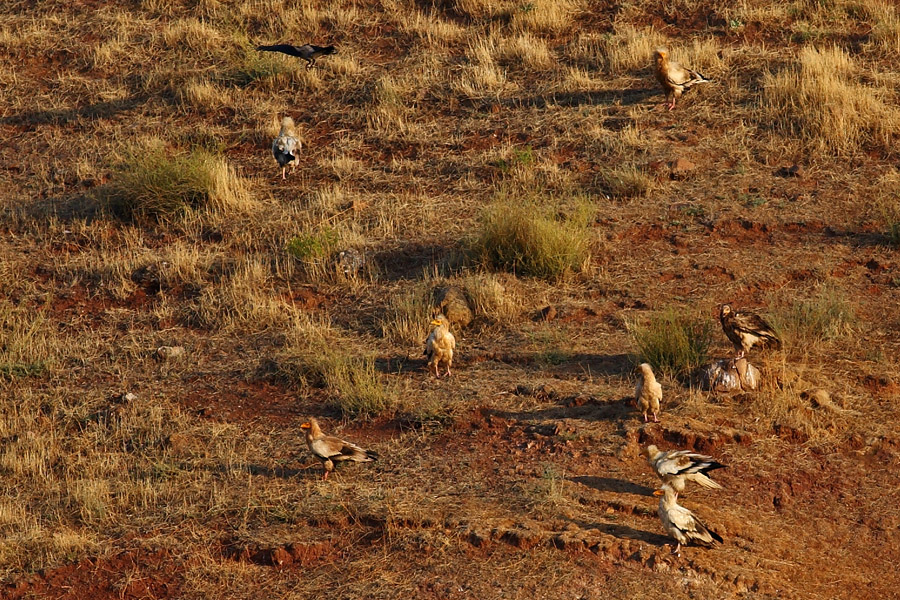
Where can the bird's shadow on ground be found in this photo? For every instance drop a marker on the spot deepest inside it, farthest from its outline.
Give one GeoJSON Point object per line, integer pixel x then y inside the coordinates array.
{"type": "Point", "coordinates": [62, 116]}
{"type": "Point", "coordinates": [311, 471]}
{"type": "Point", "coordinates": [607, 365]}
{"type": "Point", "coordinates": [624, 532]}
{"type": "Point", "coordinates": [623, 97]}
{"type": "Point", "coordinates": [611, 484]}
{"type": "Point", "coordinates": [612, 410]}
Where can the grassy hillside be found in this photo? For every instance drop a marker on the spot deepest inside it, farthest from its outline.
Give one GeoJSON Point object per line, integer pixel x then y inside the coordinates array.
{"type": "Point", "coordinates": [517, 151]}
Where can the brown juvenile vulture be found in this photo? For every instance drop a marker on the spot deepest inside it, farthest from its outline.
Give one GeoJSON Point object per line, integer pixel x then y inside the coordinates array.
{"type": "Point", "coordinates": [746, 330]}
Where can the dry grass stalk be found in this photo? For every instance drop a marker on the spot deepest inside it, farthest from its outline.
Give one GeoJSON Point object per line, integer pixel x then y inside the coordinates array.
{"type": "Point", "coordinates": [151, 185]}
{"type": "Point", "coordinates": [673, 343]}
{"type": "Point", "coordinates": [823, 103]}
{"type": "Point", "coordinates": [315, 354]}
{"type": "Point", "coordinates": [630, 49]}
{"type": "Point", "coordinates": [525, 238]}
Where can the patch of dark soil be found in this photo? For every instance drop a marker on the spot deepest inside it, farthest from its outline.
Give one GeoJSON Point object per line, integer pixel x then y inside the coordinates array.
{"type": "Point", "coordinates": [300, 554]}
{"type": "Point", "coordinates": [693, 439]}
{"type": "Point", "coordinates": [239, 401]}
{"type": "Point", "coordinates": [742, 231]}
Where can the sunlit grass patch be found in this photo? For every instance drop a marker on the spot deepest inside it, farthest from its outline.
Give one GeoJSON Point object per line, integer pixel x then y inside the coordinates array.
{"type": "Point", "coordinates": [674, 343]}
{"type": "Point", "coordinates": [823, 102]}
{"type": "Point", "coordinates": [318, 354]}
{"type": "Point", "coordinates": [151, 184]}
{"type": "Point", "coordinates": [527, 237]}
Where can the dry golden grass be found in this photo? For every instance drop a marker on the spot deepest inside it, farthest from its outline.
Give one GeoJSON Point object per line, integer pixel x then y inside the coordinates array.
{"type": "Point", "coordinates": [481, 77]}
{"type": "Point", "coordinates": [525, 238]}
{"type": "Point", "coordinates": [150, 185]}
{"type": "Point", "coordinates": [886, 207]}
{"type": "Point", "coordinates": [630, 49]}
{"type": "Point", "coordinates": [825, 104]}
{"type": "Point", "coordinates": [429, 114]}
{"type": "Point", "coordinates": [318, 354]}
{"type": "Point", "coordinates": [545, 15]}
{"type": "Point", "coordinates": [804, 324]}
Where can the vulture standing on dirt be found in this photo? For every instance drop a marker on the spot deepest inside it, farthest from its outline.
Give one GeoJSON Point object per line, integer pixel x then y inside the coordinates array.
{"type": "Point", "coordinates": [440, 345]}
{"type": "Point", "coordinates": [675, 467]}
{"type": "Point", "coordinates": [674, 78]}
{"type": "Point", "coordinates": [648, 393]}
{"type": "Point", "coordinates": [681, 523]}
{"type": "Point", "coordinates": [286, 146]}
{"type": "Point", "coordinates": [746, 330]}
{"type": "Point", "coordinates": [307, 52]}
{"type": "Point", "coordinates": [330, 449]}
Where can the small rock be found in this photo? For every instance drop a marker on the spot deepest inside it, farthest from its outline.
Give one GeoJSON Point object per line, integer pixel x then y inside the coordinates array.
{"type": "Point", "coordinates": [350, 262]}
{"type": "Point", "coordinates": [681, 168]}
{"type": "Point", "coordinates": [524, 390]}
{"type": "Point", "coordinates": [548, 313]}
{"type": "Point", "coordinates": [129, 397]}
{"type": "Point", "coordinates": [791, 171]}
{"type": "Point", "coordinates": [170, 352]}
{"type": "Point", "coordinates": [452, 301]}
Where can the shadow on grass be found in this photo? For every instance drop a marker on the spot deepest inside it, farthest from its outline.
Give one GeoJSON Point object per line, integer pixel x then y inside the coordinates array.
{"type": "Point", "coordinates": [611, 484]}
{"type": "Point", "coordinates": [624, 97]}
{"type": "Point", "coordinates": [63, 116]}
{"type": "Point", "coordinates": [412, 259]}
{"type": "Point", "coordinates": [595, 364]}
{"type": "Point", "coordinates": [310, 471]}
{"type": "Point", "coordinates": [593, 411]}
{"type": "Point", "coordinates": [624, 532]}
{"type": "Point", "coordinates": [64, 208]}
{"type": "Point", "coordinates": [559, 362]}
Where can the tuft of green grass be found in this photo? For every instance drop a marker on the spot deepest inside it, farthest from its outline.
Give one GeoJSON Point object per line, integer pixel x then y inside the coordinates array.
{"type": "Point", "coordinates": [523, 157]}
{"type": "Point", "coordinates": [312, 246]}
{"type": "Point", "coordinates": [529, 238]}
{"type": "Point", "coordinates": [315, 355]}
{"type": "Point", "coordinates": [823, 317]}
{"type": "Point", "coordinates": [627, 182]}
{"type": "Point", "coordinates": [674, 343]}
{"type": "Point", "coordinates": [151, 184]}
